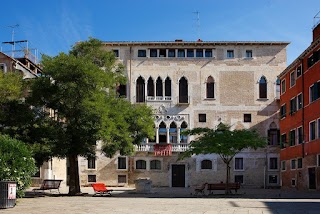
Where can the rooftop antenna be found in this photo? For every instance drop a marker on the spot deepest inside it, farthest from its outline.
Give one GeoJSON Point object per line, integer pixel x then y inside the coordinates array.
{"type": "Point", "coordinates": [12, 38]}
{"type": "Point", "coordinates": [197, 13]}
{"type": "Point", "coordinates": [316, 19]}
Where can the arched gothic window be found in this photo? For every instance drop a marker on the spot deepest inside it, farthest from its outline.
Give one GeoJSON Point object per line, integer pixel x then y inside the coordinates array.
{"type": "Point", "coordinates": [159, 90]}
{"type": "Point", "coordinates": [140, 87]}
{"type": "Point", "coordinates": [210, 87]}
{"type": "Point", "coordinates": [150, 88]}
{"type": "Point", "coordinates": [162, 133]}
{"type": "Point", "coordinates": [273, 135]}
{"type": "Point", "coordinates": [167, 92]}
{"type": "Point", "coordinates": [183, 90]}
{"type": "Point", "coordinates": [263, 87]}
{"type": "Point", "coordinates": [183, 138]}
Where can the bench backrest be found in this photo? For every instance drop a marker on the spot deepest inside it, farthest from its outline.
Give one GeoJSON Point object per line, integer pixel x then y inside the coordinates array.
{"type": "Point", "coordinates": [50, 184]}
{"type": "Point", "coordinates": [99, 187]}
{"type": "Point", "coordinates": [222, 186]}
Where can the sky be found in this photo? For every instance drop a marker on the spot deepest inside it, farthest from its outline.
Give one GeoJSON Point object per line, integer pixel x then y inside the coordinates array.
{"type": "Point", "coordinates": [53, 26]}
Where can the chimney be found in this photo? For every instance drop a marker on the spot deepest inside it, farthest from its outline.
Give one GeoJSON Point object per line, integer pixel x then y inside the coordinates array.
{"type": "Point", "coordinates": [316, 27]}
{"type": "Point", "coordinates": [316, 32]}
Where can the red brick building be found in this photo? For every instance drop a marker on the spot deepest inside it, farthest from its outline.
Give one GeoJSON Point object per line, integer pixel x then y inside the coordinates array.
{"type": "Point", "coordinates": [300, 119]}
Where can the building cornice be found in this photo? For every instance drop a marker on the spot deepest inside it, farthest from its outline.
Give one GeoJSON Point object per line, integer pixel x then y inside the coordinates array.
{"type": "Point", "coordinates": [299, 58]}
{"type": "Point", "coordinates": [191, 43]}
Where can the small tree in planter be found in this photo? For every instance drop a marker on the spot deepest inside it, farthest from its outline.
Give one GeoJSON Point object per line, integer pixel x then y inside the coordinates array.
{"type": "Point", "coordinates": [16, 163]}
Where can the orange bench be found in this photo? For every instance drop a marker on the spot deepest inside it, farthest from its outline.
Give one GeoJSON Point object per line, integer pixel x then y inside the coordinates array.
{"type": "Point", "coordinates": [101, 189]}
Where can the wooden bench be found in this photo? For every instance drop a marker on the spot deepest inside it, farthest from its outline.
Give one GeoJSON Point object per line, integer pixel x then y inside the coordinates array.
{"type": "Point", "coordinates": [223, 186]}
{"type": "Point", "coordinates": [49, 184]}
{"type": "Point", "coordinates": [200, 190]}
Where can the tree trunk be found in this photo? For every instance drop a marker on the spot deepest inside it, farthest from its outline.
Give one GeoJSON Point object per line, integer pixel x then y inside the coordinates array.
{"type": "Point", "coordinates": [227, 179]}
{"type": "Point", "coordinates": [74, 184]}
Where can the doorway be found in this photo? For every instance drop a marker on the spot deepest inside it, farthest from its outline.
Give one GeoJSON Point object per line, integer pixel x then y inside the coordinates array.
{"type": "Point", "coordinates": [312, 178]}
{"type": "Point", "coordinates": [178, 175]}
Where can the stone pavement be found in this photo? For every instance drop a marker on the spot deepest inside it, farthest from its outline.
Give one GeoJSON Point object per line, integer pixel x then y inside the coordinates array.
{"type": "Point", "coordinates": [171, 200]}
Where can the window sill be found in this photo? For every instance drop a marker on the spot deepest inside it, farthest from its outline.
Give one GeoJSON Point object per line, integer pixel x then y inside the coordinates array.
{"type": "Point", "coordinates": [273, 170]}
{"type": "Point", "coordinates": [262, 99]}
{"type": "Point", "coordinates": [209, 99]}
{"type": "Point", "coordinates": [238, 170]}
{"type": "Point", "coordinates": [122, 169]}
{"type": "Point", "coordinates": [248, 58]}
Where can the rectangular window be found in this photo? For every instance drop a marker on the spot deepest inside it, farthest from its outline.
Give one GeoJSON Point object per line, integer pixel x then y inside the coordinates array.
{"type": "Point", "coordinates": [319, 128]}
{"type": "Point", "coordinates": [92, 178]}
{"type": "Point", "coordinates": [300, 135]}
{"type": "Point", "coordinates": [293, 164]}
{"type": "Point", "coordinates": [283, 86]}
{"type": "Point", "coordinates": [141, 164]}
{"type": "Point", "coordinates": [292, 137]}
{"type": "Point", "coordinates": [199, 53]}
{"type": "Point", "coordinates": [283, 165]}
{"type": "Point", "coordinates": [91, 163]}
{"type": "Point", "coordinates": [238, 179]}
{"type": "Point", "coordinates": [208, 53]}
{"type": "Point", "coordinates": [142, 53]}
{"type": "Point", "coordinates": [248, 53]}
{"type": "Point", "coordinates": [293, 105]}
{"type": "Point", "coordinates": [292, 78]}
{"type": "Point", "coordinates": [299, 163]}
{"type": "Point", "coordinates": [122, 179]}
{"type": "Point", "coordinates": [299, 101]}
{"type": "Point", "coordinates": [116, 53]}
{"type": "Point", "coordinates": [273, 179]}
{"type": "Point", "coordinates": [230, 54]}
{"type": "Point", "coordinates": [171, 53]}
{"type": "Point", "coordinates": [273, 163]}
{"type": "Point", "coordinates": [155, 164]}
{"type": "Point", "coordinates": [163, 52]}
{"type": "Point", "coordinates": [122, 163]}
{"type": "Point", "coordinates": [283, 140]}
{"type": "Point", "coordinates": [310, 61]}
{"type": "Point", "coordinates": [190, 53]}
{"type": "Point", "coordinates": [312, 130]}
{"type": "Point", "coordinates": [153, 53]}
{"type": "Point", "coordinates": [283, 111]}
{"type": "Point", "coordinates": [247, 118]}
{"type": "Point", "coordinates": [238, 164]}
{"type": "Point", "coordinates": [314, 91]}
{"type": "Point", "coordinates": [202, 118]}
{"type": "Point", "coordinates": [181, 53]}
{"type": "Point", "coordinates": [318, 160]}
{"type": "Point", "coordinates": [299, 71]}
{"type": "Point", "coordinates": [293, 182]}
{"type": "Point", "coordinates": [3, 67]}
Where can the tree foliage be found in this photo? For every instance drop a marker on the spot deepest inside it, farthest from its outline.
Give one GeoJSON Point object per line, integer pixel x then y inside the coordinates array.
{"type": "Point", "coordinates": [80, 88]}
{"type": "Point", "coordinates": [16, 163]}
{"type": "Point", "coordinates": [222, 141]}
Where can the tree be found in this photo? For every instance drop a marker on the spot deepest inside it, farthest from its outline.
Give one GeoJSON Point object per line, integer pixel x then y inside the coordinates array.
{"type": "Point", "coordinates": [20, 120]}
{"type": "Point", "coordinates": [16, 163]}
{"type": "Point", "coordinates": [80, 88]}
{"type": "Point", "coordinates": [224, 142]}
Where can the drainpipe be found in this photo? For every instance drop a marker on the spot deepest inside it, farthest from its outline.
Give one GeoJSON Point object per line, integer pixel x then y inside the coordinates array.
{"type": "Point", "coordinates": [130, 54]}
{"type": "Point", "coordinates": [303, 129]}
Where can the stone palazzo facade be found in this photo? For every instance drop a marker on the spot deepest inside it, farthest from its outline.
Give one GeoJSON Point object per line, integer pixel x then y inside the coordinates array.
{"type": "Point", "coordinates": [196, 84]}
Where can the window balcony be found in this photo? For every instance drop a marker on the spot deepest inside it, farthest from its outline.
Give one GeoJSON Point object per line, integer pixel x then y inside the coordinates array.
{"type": "Point", "coordinates": [158, 98]}
{"type": "Point", "coordinates": [150, 147]}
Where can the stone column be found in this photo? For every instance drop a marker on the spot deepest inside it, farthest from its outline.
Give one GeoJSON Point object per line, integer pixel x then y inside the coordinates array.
{"type": "Point", "coordinates": [168, 135]}
{"type": "Point", "coordinates": [157, 135]}
{"type": "Point", "coordinates": [178, 135]}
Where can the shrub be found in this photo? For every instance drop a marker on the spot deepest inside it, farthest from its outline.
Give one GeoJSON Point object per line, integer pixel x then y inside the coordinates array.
{"type": "Point", "coordinates": [16, 163]}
